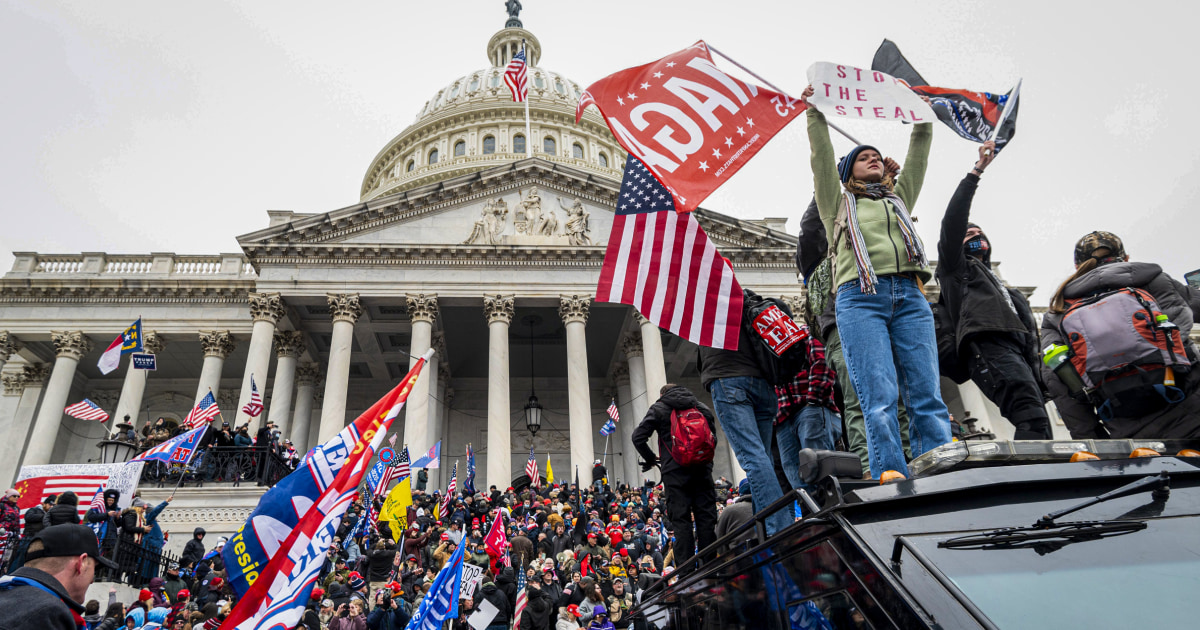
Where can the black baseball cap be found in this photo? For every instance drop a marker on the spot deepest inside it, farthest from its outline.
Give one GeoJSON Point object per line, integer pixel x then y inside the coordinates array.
{"type": "Point", "coordinates": [67, 540]}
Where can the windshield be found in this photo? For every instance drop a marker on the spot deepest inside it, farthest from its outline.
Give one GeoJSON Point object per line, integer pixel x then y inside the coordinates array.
{"type": "Point", "coordinates": [1142, 579]}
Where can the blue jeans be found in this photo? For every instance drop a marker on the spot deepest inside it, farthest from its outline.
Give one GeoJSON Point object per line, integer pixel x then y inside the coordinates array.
{"type": "Point", "coordinates": [746, 408]}
{"type": "Point", "coordinates": [890, 350]}
{"type": "Point", "coordinates": [815, 427]}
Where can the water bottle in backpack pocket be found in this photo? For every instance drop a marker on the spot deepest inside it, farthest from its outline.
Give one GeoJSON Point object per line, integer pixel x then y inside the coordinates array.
{"type": "Point", "coordinates": [1128, 354]}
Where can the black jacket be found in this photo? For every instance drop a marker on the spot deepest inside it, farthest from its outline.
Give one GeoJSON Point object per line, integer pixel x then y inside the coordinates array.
{"type": "Point", "coordinates": [193, 551]}
{"type": "Point", "coordinates": [715, 363]}
{"type": "Point", "coordinates": [33, 521]}
{"type": "Point", "coordinates": [497, 599]}
{"type": "Point", "coordinates": [379, 563]}
{"type": "Point", "coordinates": [31, 607]}
{"type": "Point", "coordinates": [972, 298]}
{"type": "Point", "coordinates": [658, 420]}
{"type": "Point", "coordinates": [62, 513]}
{"type": "Point", "coordinates": [536, 615]}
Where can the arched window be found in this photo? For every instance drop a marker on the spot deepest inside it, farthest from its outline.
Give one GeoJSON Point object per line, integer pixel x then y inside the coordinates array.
{"type": "Point", "coordinates": [538, 82]}
{"type": "Point", "coordinates": [433, 156]}
{"type": "Point", "coordinates": [489, 145]}
{"type": "Point", "coordinates": [518, 143]}
{"type": "Point", "coordinates": [460, 148]}
{"type": "Point", "coordinates": [454, 91]}
{"type": "Point", "coordinates": [558, 87]}
{"type": "Point", "coordinates": [549, 146]}
{"type": "Point", "coordinates": [603, 160]}
{"type": "Point", "coordinates": [577, 151]}
{"type": "Point", "coordinates": [411, 165]}
{"type": "Point", "coordinates": [474, 83]}
{"type": "Point", "coordinates": [494, 81]}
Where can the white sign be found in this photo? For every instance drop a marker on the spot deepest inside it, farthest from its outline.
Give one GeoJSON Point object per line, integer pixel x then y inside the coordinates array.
{"type": "Point", "coordinates": [471, 577]}
{"type": "Point", "coordinates": [857, 93]}
{"type": "Point", "coordinates": [483, 615]}
{"type": "Point", "coordinates": [121, 477]}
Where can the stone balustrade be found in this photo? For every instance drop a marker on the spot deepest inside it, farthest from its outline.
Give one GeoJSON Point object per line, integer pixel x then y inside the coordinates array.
{"type": "Point", "coordinates": [157, 265]}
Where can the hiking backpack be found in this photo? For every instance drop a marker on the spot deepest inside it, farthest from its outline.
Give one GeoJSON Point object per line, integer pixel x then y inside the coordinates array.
{"type": "Point", "coordinates": [692, 440]}
{"type": "Point", "coordinates": [1124, 354]}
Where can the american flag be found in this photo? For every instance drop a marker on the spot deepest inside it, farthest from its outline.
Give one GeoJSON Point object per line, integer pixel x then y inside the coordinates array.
{"type": "Point", "coordinates": [451, 490]}
{"type": "Point", "coordinates": [86, 410]}
{"type": "Point", "coordinates": [663, 264]}
{"type": "Point", "coordinates": [612, 411]}
{"type": "Point", "coordinates": [255, 406]}
{"type": "Point", "coordinates": [516, 77]}
{"type": "Point", "coordinates": [522, 599]}
{"type": "Point", "coordinates": [398, 470]}
{"type": "Point", "coordinates": [392, 440]}
{"type": "Point", "coordinates": [531, 469]}
{"type": "Point", "coordinates": [97, 500]}
{"type": "Point", "coordinates": [204, 411]}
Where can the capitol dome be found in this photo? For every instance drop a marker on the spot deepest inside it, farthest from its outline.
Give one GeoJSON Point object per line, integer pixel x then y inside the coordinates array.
{"type": "Point", "coordinates": [473, 123]}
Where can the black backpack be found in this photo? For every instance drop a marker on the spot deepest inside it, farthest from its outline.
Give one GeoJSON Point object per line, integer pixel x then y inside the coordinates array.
{"type": "Point", "coordinates": [775, 337]}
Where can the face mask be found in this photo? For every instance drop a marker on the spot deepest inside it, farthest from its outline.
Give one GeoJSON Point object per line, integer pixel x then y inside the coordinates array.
{"type": "Point", "coordinates": [977, 246]}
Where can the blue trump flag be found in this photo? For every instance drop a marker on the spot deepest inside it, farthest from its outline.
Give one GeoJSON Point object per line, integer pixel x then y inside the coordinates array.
{"type": "Point", "coordinates": [374, 476]}
{"type": "Point", "coordinates": [441, 602]}
{"type": "Point", "coordinates": [178, 450]}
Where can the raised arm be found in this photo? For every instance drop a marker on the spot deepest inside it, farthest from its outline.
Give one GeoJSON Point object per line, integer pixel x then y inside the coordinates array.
{"type": "Point", "coordinates": [958, 214]}
{"type": "Point", "coordinates": [908, 186]}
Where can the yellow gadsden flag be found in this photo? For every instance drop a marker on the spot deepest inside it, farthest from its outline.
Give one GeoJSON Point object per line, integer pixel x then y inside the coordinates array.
{"type": "Point", "coordinates": [549, 470]}
{"type": "Point", "coordinates": [395, 507]}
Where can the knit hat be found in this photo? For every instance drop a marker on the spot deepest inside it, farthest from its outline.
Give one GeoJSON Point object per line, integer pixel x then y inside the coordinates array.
{"type": "Point", "coordinates": [846, 164]}
{"type": "Point", "coordinates": [1095, 240]}
{"type": "Point", "coordinates": [356, 582]}
{"type": "Point", "coordinates": [744, 487]}
{"type": "Point", "coordinates": [145, 594]}
{"type": "Point", "coordinates": [12, 493]}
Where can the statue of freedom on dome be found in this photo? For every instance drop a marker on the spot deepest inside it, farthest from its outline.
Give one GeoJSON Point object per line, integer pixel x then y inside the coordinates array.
{"type": "Point", "coordinates": [514, 11]}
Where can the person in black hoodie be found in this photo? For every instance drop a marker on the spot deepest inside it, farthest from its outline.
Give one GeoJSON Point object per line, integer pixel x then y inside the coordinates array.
{"type": "Point", "coordinates": [65, 510]}
{"type": "Point", "coordinates": [690, 491]}
{"type": "Point", "coordinates": [193, 551]}
{"type": "Point", "coordinates": [105, 522]}
{"type": "Point", "coordinates": [491, 593]}
{"type": "Point", "coordinates": [538, 607]}
{"type": "Point", "coordinates": [995, 335]}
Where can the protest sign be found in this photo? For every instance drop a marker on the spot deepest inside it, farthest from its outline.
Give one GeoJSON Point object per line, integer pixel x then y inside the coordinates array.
{"type": "Point", "coordinates": [856, 93]}
{"type": "Point", "coordinates": [471, 577]}
{"type": "Point", "coordinates": [484, 613]}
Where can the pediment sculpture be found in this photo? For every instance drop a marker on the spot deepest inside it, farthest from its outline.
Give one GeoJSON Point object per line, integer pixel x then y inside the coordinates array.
{"type": "Point", "coordinates": [577, 223]}
{"type": "Point", "coordinates": [490, 224]}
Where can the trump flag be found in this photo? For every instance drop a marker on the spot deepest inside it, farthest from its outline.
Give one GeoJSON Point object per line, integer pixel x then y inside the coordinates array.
{"type": "Point", "coordinates": [690, 123]}
{"type": "Point", "coordinates": [274, 558]}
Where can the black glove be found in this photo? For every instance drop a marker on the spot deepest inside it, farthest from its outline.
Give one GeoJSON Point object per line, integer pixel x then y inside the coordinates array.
{"type": "Point", "coordinates": [648, 465]}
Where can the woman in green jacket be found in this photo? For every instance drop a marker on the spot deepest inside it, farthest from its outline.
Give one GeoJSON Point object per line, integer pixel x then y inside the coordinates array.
{"type": "Point", "coordinates": [879, 272]}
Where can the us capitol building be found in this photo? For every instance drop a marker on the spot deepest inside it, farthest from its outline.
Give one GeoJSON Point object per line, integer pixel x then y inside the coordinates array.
{"type": "Point", "coordinates": [458, 242]}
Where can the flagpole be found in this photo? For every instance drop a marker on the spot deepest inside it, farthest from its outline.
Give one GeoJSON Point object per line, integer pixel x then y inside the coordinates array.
{"type": "Point", "coordinates": [606, 450]}
{"type": "Point", "coordinates": [1008, 105]}
{"type": "Point", "coordinates": [772, 86]}
{"type": "Point", "coordinates": [528, 137]}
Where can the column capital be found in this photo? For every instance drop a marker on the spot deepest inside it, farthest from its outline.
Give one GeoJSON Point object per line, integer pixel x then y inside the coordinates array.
{"type": "Point", "coordinates": [498, 308]}
{"type": "Point", "coordinates": [217, 343]}
{"type": "Point", "coordinates": [266, 307]}
{"type": "Point", "coordinates": [289, 343]}
{"type": "Point", "coordinates": [574, 308]}
{"type": "Point", "coordinates": [8, 345]}
{"type": "Point", "coordinates": [106, 398]}
{"type": "Point", "coordinates": [422, 307]}
{"type": "Point", "coordinates": [14, 384]}
{"type": "Point", "coordinates": [70, 343]}
{"type": "Point", "coordinates": [228, 399]}
{"type": "Point", "coordinates": [153, 342]}
{"type": "Point", "coordinates": [796, 303]}
{"type": "Point", "coordinates": [308, 374]}
{"type": "Point", "coordinates": [621, 374]}
{"type": "Point", "coordinates": [35, 374]}
{"type": "Point", "coordinates": [344, 307]}
{"type": "Point", "coordinates": [631, 345]}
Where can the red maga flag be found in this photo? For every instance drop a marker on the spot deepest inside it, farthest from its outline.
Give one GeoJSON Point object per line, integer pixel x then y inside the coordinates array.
{"type": "Point", "coordinates": [690, 123]}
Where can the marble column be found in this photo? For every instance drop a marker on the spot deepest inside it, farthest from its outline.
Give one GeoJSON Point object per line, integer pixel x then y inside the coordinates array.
{"type": "Point", "coordinates": [69, 347]}
{"type": "Point", "coordinates": [574, 312]}
{"type": "Point", "coordinates": [134, 387]}
{"type": "Point", "coordinates": [218, 345]}
{"type": "Point", "coordinates": [499, 312]}
{"type": "Point", "coordinates": [307, 376]}
{"type": "Point", "coordinates": [28, 385]}
{"type": "Point", "coordinates": [422, 312]}
{"type": "Point", "coordinates": [289, 344]}
{"type": "Point", "coordinates": [314, 428]}
{"type": "Point", "coordinates": [640, 398]}
{"type": "Point", "coordinates": [8, 347]}
{"type": "Point", "coordinates": [631, 472]}
{"type": "Point", "coordinates": [345, 309]}
{"type": "Point", "coordinates": [656, 367]}
{"type": "Point", "coordinates": [266, 309]}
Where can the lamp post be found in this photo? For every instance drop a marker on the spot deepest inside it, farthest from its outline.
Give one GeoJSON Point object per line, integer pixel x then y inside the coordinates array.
{"type": "Point", "coordinates": [533, 409]}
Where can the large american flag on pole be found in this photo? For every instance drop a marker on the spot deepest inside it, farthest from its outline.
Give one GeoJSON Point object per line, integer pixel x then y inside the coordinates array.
{"type": "Point", "coordinates": [451, 490]}
{"type": "Point", "coordinates": [86, 410]}
{"type": "Point", "coordinates": [516, 77]}
{"type": "Point", "coordinates": [522, 600]}
{"type": "Point", "coordinates": [662, 263]}
{"type": "Point", "coordinates": [204, 411]}
{"type": "Point", "coordinates": [255, 406]}
{"type": "Point", "coordinates": [531, 469]}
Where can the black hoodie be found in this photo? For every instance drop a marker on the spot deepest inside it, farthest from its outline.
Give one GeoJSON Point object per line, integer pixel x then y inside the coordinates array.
{"type": "Point", "coordinates": [497, 599]}
{"type": "Point", "coordinates": [658, 419]}
{"type": "Point", "coordinates": [193, 551]}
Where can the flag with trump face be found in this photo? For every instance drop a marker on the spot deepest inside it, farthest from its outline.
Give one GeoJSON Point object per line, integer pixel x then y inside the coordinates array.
{"type": "Point", "coordinates": [273, 560]}
{"type": "Point", "coordinates": [690, 123]}
{"type": "Point", "coordinates": [662, 263]}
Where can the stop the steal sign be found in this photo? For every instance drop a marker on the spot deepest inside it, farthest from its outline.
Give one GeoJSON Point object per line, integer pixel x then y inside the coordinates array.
{"type": "Point", "coordinates": [857, 93]}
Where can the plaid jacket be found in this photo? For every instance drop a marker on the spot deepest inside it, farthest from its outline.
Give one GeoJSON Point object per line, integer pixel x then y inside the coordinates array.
{"type": "Point", "coordinates": [812, 386]}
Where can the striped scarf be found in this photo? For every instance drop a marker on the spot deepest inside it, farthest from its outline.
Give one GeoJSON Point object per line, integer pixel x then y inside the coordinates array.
{"type": "Point", "coordinates": [912, 244]}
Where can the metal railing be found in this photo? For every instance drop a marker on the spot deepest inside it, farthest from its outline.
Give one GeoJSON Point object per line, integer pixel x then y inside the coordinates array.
{"type": "Point", "coordinates": [221, 464]}
{"type": "Point", "coordinates": [136, 563]}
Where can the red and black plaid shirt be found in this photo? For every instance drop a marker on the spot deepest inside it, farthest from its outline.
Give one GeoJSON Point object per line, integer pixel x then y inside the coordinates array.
{"type": "Point", "coordinates": [813, 386]}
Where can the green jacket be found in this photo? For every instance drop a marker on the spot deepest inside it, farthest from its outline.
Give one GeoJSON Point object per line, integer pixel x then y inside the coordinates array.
{"type": "Point", "coordinates": [876, 217]}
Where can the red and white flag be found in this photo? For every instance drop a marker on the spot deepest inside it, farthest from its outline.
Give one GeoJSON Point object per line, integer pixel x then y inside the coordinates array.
{"type": "Point", "coordinates": [496, 543]}
{"type": "Point", "coordinates": [662, 263]}
{"type": "Point", "coordinates": [516, 76]}
{"type": "Point", "coordinates": [203, 412]}
{"type": "Point", "coordinates": [35, 489]}
{"type": "Point", "coordinates": [691, 124]}
{"type": "Point", "coordinates": [86, 410]}
{"type": "Point", "coordinates": [255, 406]}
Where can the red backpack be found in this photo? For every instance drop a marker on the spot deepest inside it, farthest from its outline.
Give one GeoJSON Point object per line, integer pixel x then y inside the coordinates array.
{"type": "Point", "coordinates": [692, 441]}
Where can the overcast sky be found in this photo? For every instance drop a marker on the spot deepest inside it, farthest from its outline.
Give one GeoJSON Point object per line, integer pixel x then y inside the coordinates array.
{"type": "Point", "coordinates": [137, 127]}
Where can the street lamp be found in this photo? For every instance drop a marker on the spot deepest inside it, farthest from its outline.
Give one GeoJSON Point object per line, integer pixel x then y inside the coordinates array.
{"type": "Point", "coordinates": [533, 409]}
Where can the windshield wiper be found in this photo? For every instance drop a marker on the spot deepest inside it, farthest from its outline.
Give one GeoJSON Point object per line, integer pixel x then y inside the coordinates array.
{"type": "Point", "coordinates": [1047, 535]}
